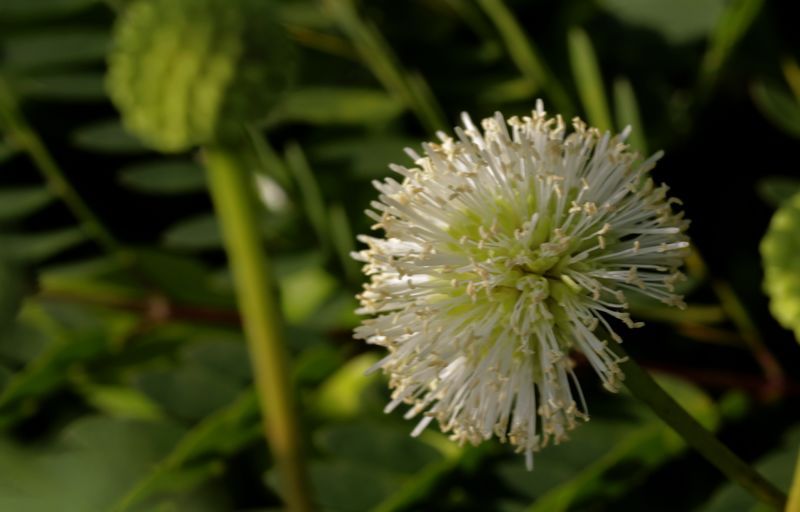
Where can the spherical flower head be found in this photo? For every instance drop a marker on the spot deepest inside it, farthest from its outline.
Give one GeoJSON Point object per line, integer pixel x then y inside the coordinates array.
{"type": "Point", "coordinates": [505, 250]}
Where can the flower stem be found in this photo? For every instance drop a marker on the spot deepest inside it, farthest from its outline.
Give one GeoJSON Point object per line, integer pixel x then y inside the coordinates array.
{"type": "Point", "coordinates": [27, 139]}
{"type": "Point", "coordinates": [232, 193]}
{"type": "Point", "coordinates": [644, 388]}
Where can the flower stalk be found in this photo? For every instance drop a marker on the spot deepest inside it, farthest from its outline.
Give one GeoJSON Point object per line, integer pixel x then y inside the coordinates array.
{"type": "Point", "coordinates": [644, 388]}
{"type": "Point", "coordinates": [233, 199]}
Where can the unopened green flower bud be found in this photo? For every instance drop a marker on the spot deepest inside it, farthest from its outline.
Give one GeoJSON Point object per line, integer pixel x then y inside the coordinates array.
{"type": "Point", "coordinates": [188, 72]}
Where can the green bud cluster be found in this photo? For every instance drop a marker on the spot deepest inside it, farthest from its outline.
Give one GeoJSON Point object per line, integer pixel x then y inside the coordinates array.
{"type": "Point", "coordinates": [189, 72]}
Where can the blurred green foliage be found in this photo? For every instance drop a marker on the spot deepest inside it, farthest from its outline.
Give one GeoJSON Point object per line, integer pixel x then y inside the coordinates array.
{"type": "Point", "coordinates": [124, 379]}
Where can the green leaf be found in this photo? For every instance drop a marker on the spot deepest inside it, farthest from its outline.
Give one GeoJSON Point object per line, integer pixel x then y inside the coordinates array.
{"type": "Point", "coordinates": [222, 433]}
{"type": "Point", "coordinates": [677, 21]}
{"type": "Point", "coordinates": [779, 250]}
{"type": "Point", "coordinates": [165, 177]}
{"type": "Point", "coordinates": [375, 445]}
{"type": "Point", "coordinates": [588, 79]}
{"type": "Point", "coordinates": [515, 90]}
{"type": "Point", "coordinates": [378, 55]}
{"type": "Point", "coordinates": [120, 402]}
{"type": "Point", "coordinates": [7, 151]}
{"type": "Point", "coordinates": [607, 456]}
{"type": "Point", "coordinates": [184, 279]}
{"type": "Point", "coordinates": [557, 467]}
{"type": "Point", "coordinates": [18, 202]}
{"type": "Point", "coordinates": [525, 54]}
{"type": "Point", "coordinates": [62, 318]}
{"type": "Point", "coordinates": [776, 190]}
{"type": "Point", "coordinates": [21, 342]}
{"type": "Point", "coordinates": [343, 485]}
{"type": "Point", "coordinates": [387, 450]}
{"type": "Point", "coordinates": [778, 106]}
{"type": "Point", "coordinates": [304, 290]}
{"type": "Point", "coordinates": [344, 242]}
{"type": "Point", "coordinates": [777, 467]}
{"type": "Point", "coordinates": [107, 137]}
{"type": "Point", "coordinates": [313, 201]}
{"type": "Point", "coordinates": [301, 338]}
{"type": "Point", "coordinates": [341, 396]}
{"type": "Point", "coordinates": [187, 393]}
{"type": "Point", "coordinates": [336, 105]}
{"type": "Point", "coordinates": [791, 72]}
{"type": "Point", "coordinates": [521, 50]}
{"type": "Point", "coordinates": [626, 110]}
{"type": "Point", "coordinates": [336, 312]}
{"type": "Point", "coordinates": [208, 375]}
{"type": "Point", "coordinates": [202, 232]}
{"type": "Point", "coordinates": [38, 9]}
{"type": "Point", "coordinates": [93, 461]}
{"type": "Point", "coordinates": [81, 86]}
{"type": "Point", "coordinates": [39, 246]}
{"type": "Point", "coordinates": [423, 483]}
{"type": "Point", "coordinates": [265, 160]}
{"type": "Point", "coordinates": [106, 277]}
{"type": "Point", "coordinates": [733, 23]}
{"type": "Point", "coordinates": [54, 48]}
{"type": "Point", "coordinates": [306, 14]}
{"type": "Point", "coordinates": [11, 292]}
{"type": "Point", "coordinates": [196, 233]}
{"type": "Point", "coordinates": [47, 372]}
{"type": "Point", "coordinates": [366, 157]}
{"type": "Point", "coordinates": [5, 376]}
{"type": "Point", "coordinates": [223, 353]}
{"type": "Point", "coordinates": [315, 363]}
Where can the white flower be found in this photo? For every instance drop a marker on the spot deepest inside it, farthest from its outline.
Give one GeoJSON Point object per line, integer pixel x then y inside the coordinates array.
{"type": "Point", "coordinates": [506, 249]}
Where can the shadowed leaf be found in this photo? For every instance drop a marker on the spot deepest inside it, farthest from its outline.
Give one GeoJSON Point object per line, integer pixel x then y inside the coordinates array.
{"type": "Point", "coordinates": [165, 177]}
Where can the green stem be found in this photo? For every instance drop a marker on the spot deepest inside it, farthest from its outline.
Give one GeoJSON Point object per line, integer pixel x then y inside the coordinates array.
{"type": "Point", "coordinates": [27, 139]}
{"type": "Point", "coordinates": [232, 193]}
{"type": "Point", "coordinates": [794, 492]}
{"type": "Point", "coordinates": [644, 388]}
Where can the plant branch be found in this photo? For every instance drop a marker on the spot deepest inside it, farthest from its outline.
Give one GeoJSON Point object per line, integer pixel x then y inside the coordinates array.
{"type": "Point", "coordinates": [232, 193]}
{"type": "Point", "coordinates": [644, 388]}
